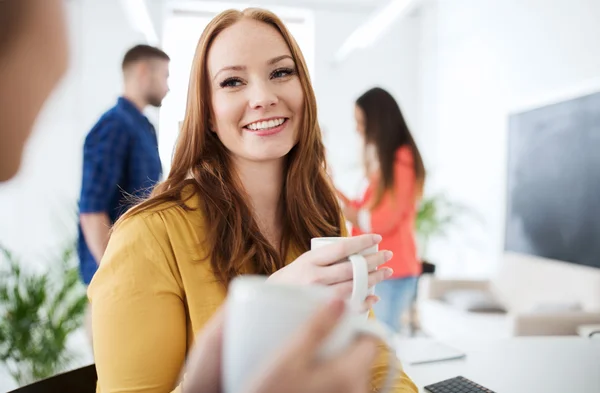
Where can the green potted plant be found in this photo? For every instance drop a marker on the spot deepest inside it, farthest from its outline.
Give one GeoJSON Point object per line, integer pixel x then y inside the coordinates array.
{"type": "Point", "coordinates": [436, 215]}
{"type": "Point", "coordinates": [38, 312]}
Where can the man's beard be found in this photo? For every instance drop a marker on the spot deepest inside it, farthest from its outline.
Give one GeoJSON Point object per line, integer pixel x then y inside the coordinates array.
{"type": "Point", "coordinates": [155, 101]}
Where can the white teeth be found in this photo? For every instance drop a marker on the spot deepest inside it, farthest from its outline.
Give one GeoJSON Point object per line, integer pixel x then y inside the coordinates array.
{"type": "Point", "coordinates": [263, 125]}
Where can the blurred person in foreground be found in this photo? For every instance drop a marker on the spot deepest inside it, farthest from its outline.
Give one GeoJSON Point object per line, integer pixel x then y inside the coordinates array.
{"type": "Point", "coordinates": [33, 58]}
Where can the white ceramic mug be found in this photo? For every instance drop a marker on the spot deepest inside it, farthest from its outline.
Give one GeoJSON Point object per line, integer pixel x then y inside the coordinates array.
{"type": "Point", "coordinates": [360, 270]}
{"type": "Point", "coordinates": [261, 317]}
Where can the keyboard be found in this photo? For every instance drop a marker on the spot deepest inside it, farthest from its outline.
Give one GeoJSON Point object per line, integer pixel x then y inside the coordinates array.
{"type": "Point", "coordinates": [457, 385]}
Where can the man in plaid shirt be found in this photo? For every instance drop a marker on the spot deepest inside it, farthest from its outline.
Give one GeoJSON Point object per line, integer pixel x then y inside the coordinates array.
{"type": "Point", "coordinates": [120, 155]}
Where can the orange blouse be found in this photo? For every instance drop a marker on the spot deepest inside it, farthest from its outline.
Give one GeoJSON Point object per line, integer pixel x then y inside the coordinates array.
{"type": "Point", "coordinates": [394, 217]}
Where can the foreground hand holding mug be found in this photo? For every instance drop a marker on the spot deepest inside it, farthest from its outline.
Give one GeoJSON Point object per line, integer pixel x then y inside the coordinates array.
{"type": "Point", "coordinates": [295, 368]}
{"type": "Point", "coordinates": [298, 368]}
{"type": "Point", "coordinates": [262, 318]}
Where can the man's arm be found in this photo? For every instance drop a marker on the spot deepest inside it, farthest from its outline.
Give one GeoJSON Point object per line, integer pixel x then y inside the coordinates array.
{"type": "Point", "coordinates": [104, 156]}
{"type": "Point", "coordinates": [96, 230]}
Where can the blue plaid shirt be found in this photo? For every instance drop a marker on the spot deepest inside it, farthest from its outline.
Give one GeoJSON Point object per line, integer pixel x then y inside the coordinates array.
{"type": "Point", "coordinates": [120, 158]}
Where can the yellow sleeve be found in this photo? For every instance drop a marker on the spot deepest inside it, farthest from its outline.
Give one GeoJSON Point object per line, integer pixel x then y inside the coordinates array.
{"type": "Point", "coordinates": [138, 315]}
{"type": "Point", "coordinates": [402, 383]}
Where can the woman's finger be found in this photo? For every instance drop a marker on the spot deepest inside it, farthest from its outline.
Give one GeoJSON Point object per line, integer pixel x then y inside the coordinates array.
{"type": "Point", "coordinates": [378, 259]}
{"type": "Point", "coordinates": [372, 300]}
{"type": "Point", "coordinates": [334, 274]}
{"type": "Point", "coordinates": [342, 271]}
{"type": "Point", "coordinates": [369, 303]}
{"type": "Point", "coordinates": [379, 275]}
{"type": "Point", "coordinates": [344, 288]}
{"type": "Point", "coordinates": [340, 250]}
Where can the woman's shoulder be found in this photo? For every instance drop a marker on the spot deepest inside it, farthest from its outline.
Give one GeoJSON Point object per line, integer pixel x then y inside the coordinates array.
{"type": "Point", "coordinates": [404, 155]}
{"type": "Point", "coordinates": [162, 223]}
{"type": "Point", "coordinates": [148, 242]}
{"type": "Point", "coordinates": [144, 229]}
{"type": "Point", "coordinates": [186, 208]}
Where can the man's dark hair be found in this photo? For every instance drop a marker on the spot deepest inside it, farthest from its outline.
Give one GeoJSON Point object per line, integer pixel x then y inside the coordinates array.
{"type": "Point", "coordinates": [143, 52]}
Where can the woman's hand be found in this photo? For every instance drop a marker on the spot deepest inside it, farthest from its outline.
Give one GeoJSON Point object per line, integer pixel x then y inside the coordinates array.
{"type": "Point", "coordinates": [295, 361]}
{"type": "Point", "coordinates": [329, 265]}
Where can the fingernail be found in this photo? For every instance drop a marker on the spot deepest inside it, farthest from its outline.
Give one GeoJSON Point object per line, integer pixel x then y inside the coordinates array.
{"type": "Point", "coordinates": [377, 238]}
{"type": "Point", "coordinates": [388, 272]}
{"type": "Point", "coordinates": [387, 255]}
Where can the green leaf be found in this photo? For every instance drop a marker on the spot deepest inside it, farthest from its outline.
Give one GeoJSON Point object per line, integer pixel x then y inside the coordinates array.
{"type": "Point", "coordinates": [38, 311]}
{"type": "Point", "coordinates": [436, 215]}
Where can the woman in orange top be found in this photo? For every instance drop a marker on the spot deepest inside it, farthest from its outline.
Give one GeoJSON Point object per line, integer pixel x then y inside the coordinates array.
{"type": "Point", "coordinates": [388, 207]}
{"type": "Point", "coordinates": [247, 191]}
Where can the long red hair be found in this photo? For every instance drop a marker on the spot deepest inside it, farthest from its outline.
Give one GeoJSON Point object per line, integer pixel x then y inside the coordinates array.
{"type": "Point", "coordinates": [310, 207]}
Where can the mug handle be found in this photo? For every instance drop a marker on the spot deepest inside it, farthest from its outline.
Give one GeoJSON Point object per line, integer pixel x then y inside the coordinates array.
{"type": "Point", "coordinates": [360, 280]}
{"type": "Point", "coordinates": [378, 330]}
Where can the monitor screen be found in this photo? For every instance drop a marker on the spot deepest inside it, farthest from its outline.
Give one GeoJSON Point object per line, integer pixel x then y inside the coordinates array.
{"type": "Point", "coordinates": [553, 184]}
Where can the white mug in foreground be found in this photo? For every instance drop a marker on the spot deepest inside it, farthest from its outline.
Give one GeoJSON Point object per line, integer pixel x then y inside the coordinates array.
{"type": "Point", "coordinates": [261, 317]}
{"type": "Point", "coordinates": [360, 269]}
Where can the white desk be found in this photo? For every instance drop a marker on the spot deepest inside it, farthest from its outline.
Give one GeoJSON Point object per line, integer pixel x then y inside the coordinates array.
{"type": "Point", "coordinates": [520, 365]}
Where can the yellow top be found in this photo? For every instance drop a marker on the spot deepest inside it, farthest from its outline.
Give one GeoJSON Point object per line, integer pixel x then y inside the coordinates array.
{"type": "Point", "coordinates": [152, 293]}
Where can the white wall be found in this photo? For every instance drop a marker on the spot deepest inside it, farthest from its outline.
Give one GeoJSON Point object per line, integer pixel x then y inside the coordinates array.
{"type": "Point", "coordinates": [486, 58]}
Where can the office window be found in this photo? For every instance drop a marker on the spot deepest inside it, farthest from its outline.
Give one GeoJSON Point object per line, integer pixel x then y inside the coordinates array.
{"type": "Point", "coordinates": [182, 29]}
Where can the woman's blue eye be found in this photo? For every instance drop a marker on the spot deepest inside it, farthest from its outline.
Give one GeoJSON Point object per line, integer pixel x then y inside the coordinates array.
{"type": "Point", "coordinates": [231, 82]}
{"type": "Point", "coordinates": [279, 73]}
{"type": "Point", "coordinates": [283, 72]}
